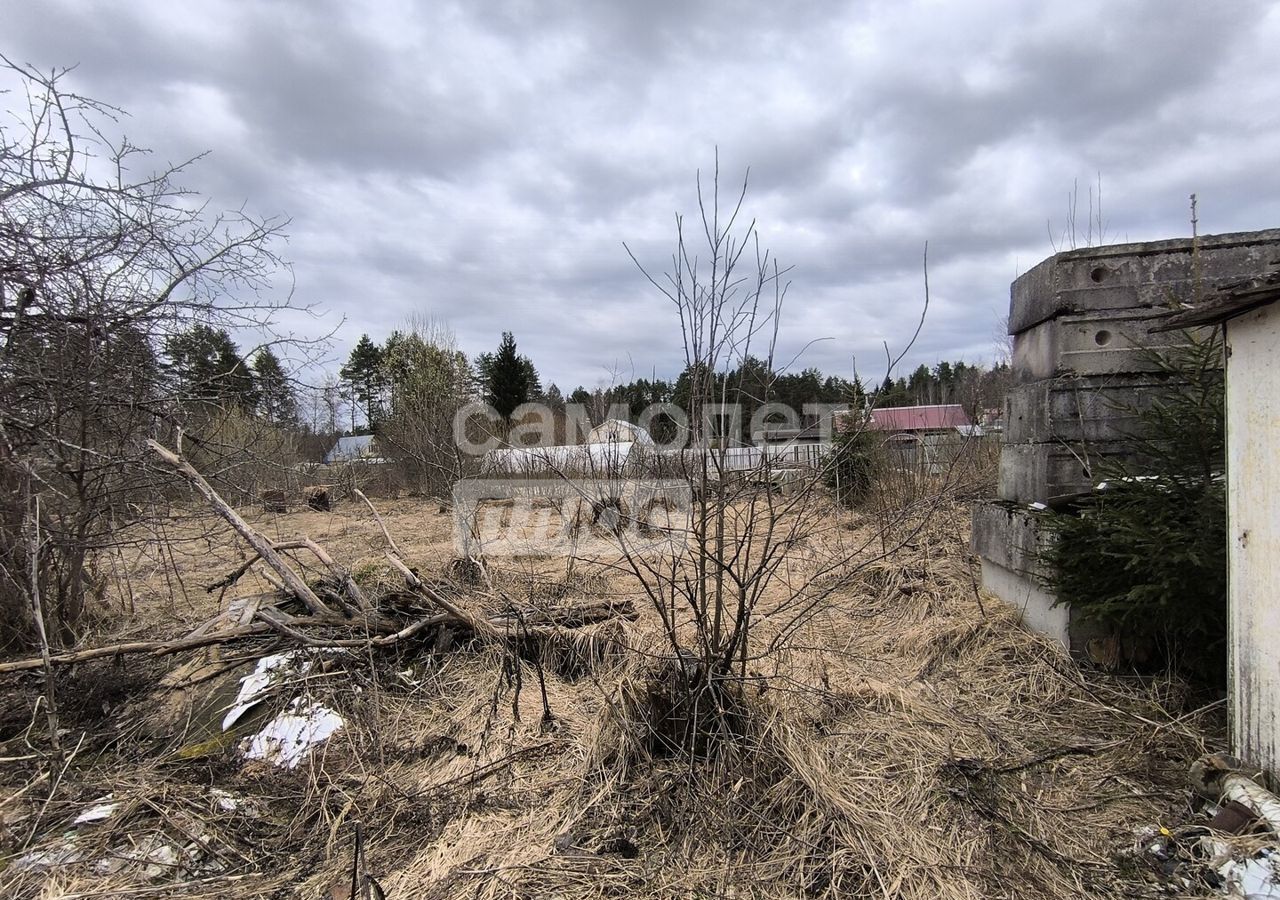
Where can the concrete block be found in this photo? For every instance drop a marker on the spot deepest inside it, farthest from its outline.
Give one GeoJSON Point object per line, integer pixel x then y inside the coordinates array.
{"type": "Point", "coordinates": [1010, 535]}
{"type": "Point", "coordinates": [1127, 276]}
{"type": "Point", "coordinates": [1036, 606]}
{"type": "Point", "coordinates": [1080, 409]}
{"type": "Point", "coordinates": [1096, 343]}
{"type": "Point", "coordinates": [1032, 473]}
{"type": "Point", "coordinates": [1008, 539]}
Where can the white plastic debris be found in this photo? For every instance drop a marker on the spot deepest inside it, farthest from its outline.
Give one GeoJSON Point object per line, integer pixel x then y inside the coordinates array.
{"type": "Point", "coordinates": [43, 860]}
{"type": "Point", "coordinates": [288, 738]}
{"type": "Point", "coordinates": [1251, 879]}
{"type": "Point", "coordinates": [225, 800]}
{"type": "Point", "coordinates": [104, 809]}
{"type": "Point", "coordinates": [255, 685]}
{"type": "Point", "coordinates": [152, 855]}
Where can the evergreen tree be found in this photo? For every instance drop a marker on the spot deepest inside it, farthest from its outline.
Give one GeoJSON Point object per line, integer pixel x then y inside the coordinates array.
{"type": "Point", "coordinates": [532, 380]}
{"type": "Point", "coordinates": [364, 376]}
{"type": "Point", "coordinates": [554, 398]}
{"type": "Point", "coordinates": [509, 379]}
{"type": "Point", "coordinates": [277, 401]}
{"type": "Point", "coordinates": [206, 366]}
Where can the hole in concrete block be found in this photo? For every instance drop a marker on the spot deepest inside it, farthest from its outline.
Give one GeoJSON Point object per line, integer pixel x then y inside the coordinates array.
{"type": "Point", "coordinates": [1099, 274]}
{"type": "Point", "coordinates": [1102, 338]}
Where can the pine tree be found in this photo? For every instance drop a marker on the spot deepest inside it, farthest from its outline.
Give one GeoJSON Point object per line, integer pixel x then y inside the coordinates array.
{"type": "Point", "coordinates": [277, 401]}
{"type": "Point", "coordinates": [364, 375]}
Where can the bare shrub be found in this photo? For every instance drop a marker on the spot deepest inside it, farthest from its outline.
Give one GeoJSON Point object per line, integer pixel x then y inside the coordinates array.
{"type": "Point", "coordinates": [430, 381]}
{"type": "Point", "coordinates": [725, 595]}
{"type": "Point", "coordinates": [97, 265]}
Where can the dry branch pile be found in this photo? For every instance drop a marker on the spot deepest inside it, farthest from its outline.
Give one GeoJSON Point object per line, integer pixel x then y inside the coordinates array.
{"type": "Point", "coordinates": [336, 613]}
{"type": "Point", "coordinates": [911, 741]}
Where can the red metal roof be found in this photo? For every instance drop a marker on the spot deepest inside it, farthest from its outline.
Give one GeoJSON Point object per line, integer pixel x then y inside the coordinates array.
{"type": "Point", "coordinates": [918, 418]}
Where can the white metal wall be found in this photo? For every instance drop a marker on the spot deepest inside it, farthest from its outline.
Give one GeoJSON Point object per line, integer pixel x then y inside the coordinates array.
{"type": "Point", "coordinates": [1253, 517]}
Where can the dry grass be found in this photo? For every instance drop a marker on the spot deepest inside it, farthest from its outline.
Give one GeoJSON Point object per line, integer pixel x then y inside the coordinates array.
{"type": "Point", "coordinates": [911, 741]}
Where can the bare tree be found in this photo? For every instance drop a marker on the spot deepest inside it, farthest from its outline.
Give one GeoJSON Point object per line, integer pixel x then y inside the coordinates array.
{"type": "Point", "coordinates": [97, 265]}
{"type": "Point", "coordinates": [727, 588]}
{"type": "Point", "coordinates": [430, 380]}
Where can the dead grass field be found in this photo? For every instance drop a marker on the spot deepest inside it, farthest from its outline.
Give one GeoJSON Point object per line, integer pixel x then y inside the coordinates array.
{"type": "Point", "coordinates": [911, 741]}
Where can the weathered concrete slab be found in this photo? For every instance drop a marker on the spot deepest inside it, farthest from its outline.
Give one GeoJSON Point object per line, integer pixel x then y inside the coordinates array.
{"type": "Point", "coordinates": [1152, 275]}
{"type": "Point", "coordinates": [1096, 343]}
{"type": "Point", "coordinates": [1009, 540]}
{"type": "Point", "coordinates": [1037, 607]}
{"type": "Point", "coordinates": [1031, 473]}
{"type": "Point", "coordinates": [1080, 409]}
{"type": "Point", "coordinates": [1009, 534]}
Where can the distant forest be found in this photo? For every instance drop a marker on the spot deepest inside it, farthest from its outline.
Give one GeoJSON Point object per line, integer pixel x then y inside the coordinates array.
{"type": "Point", "coordinates": [506, 379]}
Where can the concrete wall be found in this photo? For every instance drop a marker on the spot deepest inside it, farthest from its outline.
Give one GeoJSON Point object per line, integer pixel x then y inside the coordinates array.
{"type": "Point", "coordinates": [1082, 360]}
{"type": "Point", "coordinates": [1253, 515]}
{"type": "Point", "coordinates": [1154, 275]}
{"type": "Point", "coordinates": [1008, 541]}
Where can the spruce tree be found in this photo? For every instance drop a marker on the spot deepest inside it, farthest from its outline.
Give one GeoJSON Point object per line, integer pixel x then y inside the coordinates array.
{"type": "Point", "coordinates": [276, 398]}
{"type": "Point", "coordinates": [206, 367]}
{"type": "Point", "coordinates": [506, 377]}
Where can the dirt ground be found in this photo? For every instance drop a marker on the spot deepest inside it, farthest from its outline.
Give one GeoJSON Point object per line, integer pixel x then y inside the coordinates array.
{"type": "Point", "coordinates": [911, 740]}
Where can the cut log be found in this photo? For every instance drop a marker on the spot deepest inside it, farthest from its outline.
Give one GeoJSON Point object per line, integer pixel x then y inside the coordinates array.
{"type": "Point", "coordinates": [1223, 778]}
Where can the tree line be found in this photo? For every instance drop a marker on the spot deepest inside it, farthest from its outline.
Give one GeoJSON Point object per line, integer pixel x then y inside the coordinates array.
{"type": "Point", "coordinates": [377, 378]}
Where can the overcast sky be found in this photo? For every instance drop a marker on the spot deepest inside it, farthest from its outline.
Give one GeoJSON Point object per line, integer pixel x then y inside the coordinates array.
{"type": "Point", "coordinates": [483, 162]}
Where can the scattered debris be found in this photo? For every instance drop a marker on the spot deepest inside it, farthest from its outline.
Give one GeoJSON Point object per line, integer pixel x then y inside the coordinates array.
{"type": "Point", "coordinates": [257, 684]}
{"type": "Point", "coordinates": [1233, 817]}
{"type": "Point", "coordinates": [288, 738]}
{"type": "Point", "coordinates": [1222, 778]}
{"type": "Point", "coordinates": [65, 854]}
{"type": "Point", "coordinates": [1251, 879]}
{"type": "Point", "coordinates": [105, 809]}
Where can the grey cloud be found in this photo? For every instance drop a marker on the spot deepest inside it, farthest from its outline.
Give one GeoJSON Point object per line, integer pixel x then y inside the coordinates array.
{"type": "Point", "coordinates": [483, 163]}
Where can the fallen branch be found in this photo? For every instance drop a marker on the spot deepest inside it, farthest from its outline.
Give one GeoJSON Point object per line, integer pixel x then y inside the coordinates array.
{"type": "Point", "coordinates": [481, 627]}
{"type": "Point", "coordinates": [256, 616]}
{"type": "Point", "coordinates": [263, 547]}
{"type": "Point", "coordinates": [572, 616]}
{"type": "Point", "coordinates": [391, 544]}
{"type": "Point", "coordinates": [541, 627]}
{"type": "Point", "coordinates": [157, 648]}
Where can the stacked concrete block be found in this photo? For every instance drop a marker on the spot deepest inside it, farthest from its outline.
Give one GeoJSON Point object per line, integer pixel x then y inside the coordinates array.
{"type": "Point", "coordinates": [1084, 365]}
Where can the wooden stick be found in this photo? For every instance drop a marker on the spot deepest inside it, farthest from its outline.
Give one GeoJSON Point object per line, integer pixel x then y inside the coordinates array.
{"type": "Point", "coordinates": [343, 576]}
{"type": "Point", "coordinates": [37, 610]}
{"type": "Point", "coordinates": [477, 625]}
{"type": "Point", "coordinates": [292, 580]}
{"type": "Point", "coordinates": [377, 518]}
{"type": "Point", "coordinates": [158, 648]}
